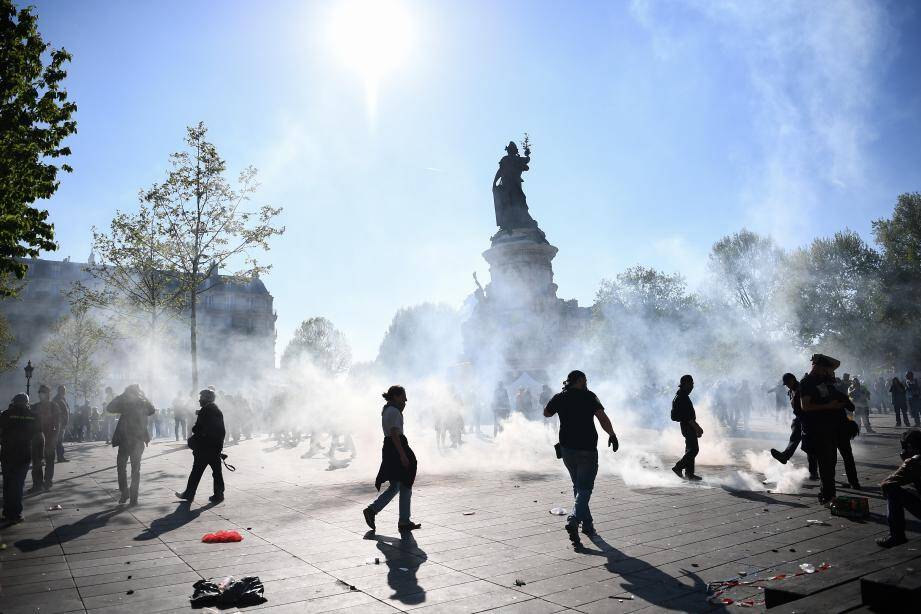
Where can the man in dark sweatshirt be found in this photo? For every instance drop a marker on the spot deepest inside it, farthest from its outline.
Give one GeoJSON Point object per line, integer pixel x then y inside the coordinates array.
{"type": "Point", "coordinates": [683, 412]}
{"type": "Point", "coordinates": [18, 426]}
{"type": "Point", "coordinates": [207, 441]}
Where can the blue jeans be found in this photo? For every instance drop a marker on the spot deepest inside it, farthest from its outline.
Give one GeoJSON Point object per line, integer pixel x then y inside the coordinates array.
{"type": "Point", "coordinates": [406, 495]}
{"type": "Point", "coordinates": [583, 467]}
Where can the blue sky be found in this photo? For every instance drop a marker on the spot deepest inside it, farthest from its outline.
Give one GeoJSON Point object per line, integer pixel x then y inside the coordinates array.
{"type": "Point", "coordinates": [658, 127]}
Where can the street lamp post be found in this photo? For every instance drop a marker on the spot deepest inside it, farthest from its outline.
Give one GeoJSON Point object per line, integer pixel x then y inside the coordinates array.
{"type": "Point", "coordinates": [28, 369]}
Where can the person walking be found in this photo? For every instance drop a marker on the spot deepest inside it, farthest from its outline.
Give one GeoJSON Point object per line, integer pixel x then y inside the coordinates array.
{"type": "Point", "coordinates": [899, 498]}
{"type": "Point", "coordinates": [398, 464]}
{"type": "Point", "coordinates": [860, 397]}
{"type": "Point", "coordinates": [683, 412]}
{"type": "Point", "coordinates": [206, 442]}
{"type": "Point", "coordinates": [131, 437]}
{"type": "Point", "coordinates": [18, 427]}
{"type": "Point", "coordinates": [180, 417]}
{"type": "Point", "coordinates": [913, 392]}
{"type": "Point", "coordinates": [501, 407]}
{"type": "Point", "coordinates": [796, 429]}
{"type": "Point", "coordinates": [577, 408]}
{"type": "Point", "coordinates": [45, 441]}
{"type": "Point", "coordinates": [899, 401]}
{"type": "Point", "coordinates": [60, 400]}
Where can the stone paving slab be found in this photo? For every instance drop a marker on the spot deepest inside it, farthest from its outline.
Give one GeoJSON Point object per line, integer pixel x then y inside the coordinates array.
{"type": "Point", "coordinates": [487, 543]}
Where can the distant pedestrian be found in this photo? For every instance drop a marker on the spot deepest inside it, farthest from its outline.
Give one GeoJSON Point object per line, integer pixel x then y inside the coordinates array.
{"type": "Point", "coordinates": [131, 437]}
{"type": "Point", "coordinates": [913, 392]}
{"type": "Point", "coordinates": [398, 463]}
{"type": "Point", "coordinates": [899, 498]}
{"type": "Point", "coordinates": [18, 427]}
{"type": "Point", "coordinates": [60, 399]}
{"type": "Point", "coordinates": [180, 417]}
{"type": "Point", "coordinates": [860, 397]}
{"type": "Point", "coordinates": [578, 407]}
{"type": "Point", "coordinates": [899, 401]}
{"type": "Point", "coordinates": [207, 441]}
{"type": "Point", "coordinates": [501, 407]}
{"type": "Point", "coordinates": [683, 412]}
{"type": "Point", "coordinates": [45, 441]}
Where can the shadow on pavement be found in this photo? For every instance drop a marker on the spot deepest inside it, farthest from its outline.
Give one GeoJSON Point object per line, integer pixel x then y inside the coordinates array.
{"type": "Point", "coordinates": [403, 557]}
{"type": "Point", "coordinates": [760, 497]}
{"type": "Point", "coordinates": [181, 516]}
{"type": "Point", "coordinates": [68, 532]}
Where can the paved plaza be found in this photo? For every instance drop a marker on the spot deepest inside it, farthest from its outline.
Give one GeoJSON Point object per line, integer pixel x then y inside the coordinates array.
{"type": "Point", "coordinates": [488, 541]}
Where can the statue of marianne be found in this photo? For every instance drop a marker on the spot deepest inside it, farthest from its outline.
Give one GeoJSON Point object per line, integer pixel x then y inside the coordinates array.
{"type": "Point", "coordinates": [508, 197]}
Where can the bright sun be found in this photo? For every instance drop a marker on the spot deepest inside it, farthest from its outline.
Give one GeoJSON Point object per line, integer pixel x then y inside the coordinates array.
{"type": "Point", "coordinates": [372, 38]}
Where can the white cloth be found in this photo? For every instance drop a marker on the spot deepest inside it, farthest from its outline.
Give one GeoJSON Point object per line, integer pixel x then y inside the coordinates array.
{"type": "Point", "coordinates": [392, 418]}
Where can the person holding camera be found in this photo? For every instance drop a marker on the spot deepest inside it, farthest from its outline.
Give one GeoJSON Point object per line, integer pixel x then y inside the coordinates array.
{"type": "Point", "coordinates": [898, 498]}
{"type": "Point", "coordinates": [578, 407]}
{"type": "Point", "coordinates": [207, 441]}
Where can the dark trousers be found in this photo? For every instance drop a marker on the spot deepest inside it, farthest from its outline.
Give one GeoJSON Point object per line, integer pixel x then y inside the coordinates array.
{"type": "Point", "coordinates": [826, 454]}
{"type": "Point", "coordinates": [583, 467]}
{"type": "Point", "coordinates": [796, 436]}
{"type": "Point", "coordinates": [43, 449]}
{"type": "Point", "coordinates": [180, 422]}
{"type": "Point", "coordinates": [899, 499]}
{"type": "Point", "coordinates": [14, 480]}
{"type": "Point", "coordinates": [691, 448]}
{"type": "Point", "coordinates": [847, 455]}
{"type": "Point", "coordinates": [914, 406]}
{"type": "Point", "coordinates": [59, 448]}
{"type": "Point", "coordinates": [201, 461]}
{"type": "Point", "coordinates": [131, 450]}
{"type": "Point", "coordinates": [901, 410]}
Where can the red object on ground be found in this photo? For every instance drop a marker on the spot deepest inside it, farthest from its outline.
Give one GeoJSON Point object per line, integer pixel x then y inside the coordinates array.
{"type": "Point", "coordinates": [221, 537]}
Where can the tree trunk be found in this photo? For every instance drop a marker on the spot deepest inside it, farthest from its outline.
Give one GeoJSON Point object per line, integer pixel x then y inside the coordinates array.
{"type": "Point", "coordinates": [193, 340]}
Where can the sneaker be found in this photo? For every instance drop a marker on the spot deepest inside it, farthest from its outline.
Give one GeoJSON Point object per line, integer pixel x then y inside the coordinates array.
{"type": "Point", "coordinates": [368, 513]}
{"type": "Point", "coordinates": [778, 456]}
{"type": "Point", "coordinates": [572, 527]}
{"type": "Point", "coordinates": [889, 542]}
{"type": "Point", "coordinates": [35, 489]}
{"type": "Point", "coordinates": [123, 499]}
{"type": "Point", "coordinates": [63, 460]}
{"type": "Point", "coordinates": [184, 496]}
{"type": "Point", "coordinates": [408, 526]}
{"type": "Point", "coordinates": [677, 472]}
{"type": "Point", "coordinates": [132, 503]}
{"type": "Point", "coordinates": [216, 498]}
{"type": "Point", "coordinates": [694, 478]}
{"type": "Point", "coordinates": [588, 529]}
{"type": "Point", "coordinates": [854, 486]}
{"type": "Point", "coordinates": [813, 476]}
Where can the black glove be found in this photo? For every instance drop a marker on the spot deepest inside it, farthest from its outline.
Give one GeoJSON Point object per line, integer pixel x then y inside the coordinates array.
{"type": "Point", "coordinates": [612, 441]}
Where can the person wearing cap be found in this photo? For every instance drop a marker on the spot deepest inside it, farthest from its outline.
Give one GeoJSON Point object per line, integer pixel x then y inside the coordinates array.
{"type": "Point", "coordinates": [45, 441]}
{"type": "Point", "coordinates": [913, 395]}
{"type": "Point", "coordinates": [398, 463]}
{"type": "Point", "coordinates": [824, 416]}
{"type": "Point", "coordinates": [796, 429]}
{"type": "Point", "coordinates": [18, 426]}
{"type": "Point", "coordinates": [683, 413]}
{"type": "Point", "coordinates": [131, 437]}
{"type": "Point", "coordinates": [207, 441]}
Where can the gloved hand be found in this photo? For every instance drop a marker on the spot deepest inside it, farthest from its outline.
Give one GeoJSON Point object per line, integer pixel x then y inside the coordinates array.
{"type": "Point", "coordinates": [612, 441]}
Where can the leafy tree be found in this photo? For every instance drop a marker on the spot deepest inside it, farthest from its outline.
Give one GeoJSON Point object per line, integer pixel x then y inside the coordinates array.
{"type": "Point", "coordinates": [747, 267]}
{"type": "Point", "coordinates": [73, 353]}
{"type": "Point", "coordinates": [7, 339]}
{"type": "Point", "coordinates": [646, 292]}
{"type": "Point", "coordinates": [204, 224]}
{"type": "Point", "coordinates": [35, 118]}
{"type": "Point", "coordinates": [322, 344]}
{"type": "Point", "coordinates": [422, 340]}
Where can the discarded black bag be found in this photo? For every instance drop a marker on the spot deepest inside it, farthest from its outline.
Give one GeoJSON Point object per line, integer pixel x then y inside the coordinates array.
{"type": "Point", "coordinates": [228, 592]}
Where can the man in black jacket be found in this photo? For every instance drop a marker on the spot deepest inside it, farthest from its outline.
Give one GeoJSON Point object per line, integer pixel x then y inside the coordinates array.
{"type": "Point", "coordinates": [207, 441]}
{"type": "Point", "coordinates": [796, 429]}
{"type": "Point", "coordinates": [18, 426]}
{"type": "Point", "coordinates": [683, 412]}
{"type": "Point", "coordinates": [131, 437]}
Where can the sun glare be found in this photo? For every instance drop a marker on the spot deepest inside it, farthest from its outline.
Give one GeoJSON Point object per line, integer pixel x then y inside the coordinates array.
{"type": "Point", "coordinates": [372, 38]}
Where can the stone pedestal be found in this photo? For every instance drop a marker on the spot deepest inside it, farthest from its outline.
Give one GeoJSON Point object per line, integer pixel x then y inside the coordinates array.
{"type": "Point", "coordinates": [521, 274]}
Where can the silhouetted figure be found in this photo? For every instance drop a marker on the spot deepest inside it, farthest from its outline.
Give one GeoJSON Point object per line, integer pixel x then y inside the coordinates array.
{"type": "Point", "coordinates": [398, 463]}
{"type": "Point", "coordinates": [577, 407]}
{"type": "Point", "coordinates": [18, 427]}
{"type": "Point", "coordinates": [60, 399]}
{"type": "Point", "coordinates": [899, 401]}
{"type": "Point", "coordinates": [898, 498]}
{"type": "Point", "coordinates": [180, 417]}
{"type": "Point", "coordinates": [860, 397]}
{"type": "Point", "coordinates": [207, 441]}
{"type": "Point", "coordinates": [508, 197]}
{"type": "Point", "coordinates": [913, 392]}
{"type": "Point", "coordinates": [131, 437]}
{"type": "Point", "coordinates": [45, 442]}
{"type": "Point", "coordinates": [796, 429]}
{"type": "Point", "coordinates": [683, 412]}
{"type": "Point", "coordinates": [501, 407]}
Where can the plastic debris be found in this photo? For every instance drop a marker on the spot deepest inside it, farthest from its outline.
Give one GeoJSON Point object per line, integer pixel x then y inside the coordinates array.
{"type": "Point", "coordinates": [351, 587]}
{"type": "Point", "coordinates": [469, 513]}
{"type": "Point", "coordinates": [520, 582]}
{"type": "Point", "coordinates": [221, 537]}
{"type": "Point", "coordinates": [373, 560]}
{"type": "Point", "coordinates": [558, 511]}
{"type": "Point", "coordinates": [808, 567]}
{"type": "Point", "coordinates": [817, 522]}
{"type": "Point", "coordinates": [227, 592]}
{"type": "Point", "coordinates": [55, 507]}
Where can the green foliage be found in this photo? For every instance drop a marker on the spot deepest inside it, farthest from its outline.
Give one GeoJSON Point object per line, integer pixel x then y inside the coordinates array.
{"type": "Point", "coordinates": [422, 340]}
{"type": "Point", "coordinates": [74, 354]}
{"type": "Point", "coordinates": [35, 118]}
{"type": "Point", "coordinates": [317, 341]}
{"type": "Point", "coordinates": [646, 292]}
{"type": "Point", "coordinates": [7, 339]}
{"type": "Point", "coordinates": [747, 268]}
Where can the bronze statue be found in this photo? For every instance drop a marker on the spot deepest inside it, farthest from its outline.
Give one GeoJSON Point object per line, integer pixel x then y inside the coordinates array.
{"type": "Point", "coordinates": [508, 197]}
